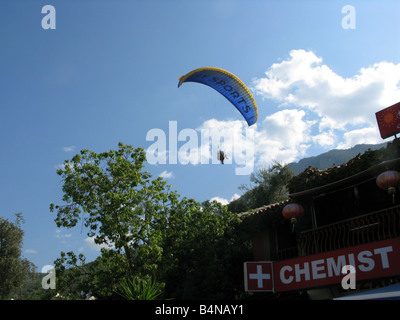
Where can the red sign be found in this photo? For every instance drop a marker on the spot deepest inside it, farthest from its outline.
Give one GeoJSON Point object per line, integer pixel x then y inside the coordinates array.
{"type": "Point", "coordinates": [373, 260]}
{"type": "Point", "coordinates": [389, 120]}
{"type": "Point", "coordinates": [258, 276]}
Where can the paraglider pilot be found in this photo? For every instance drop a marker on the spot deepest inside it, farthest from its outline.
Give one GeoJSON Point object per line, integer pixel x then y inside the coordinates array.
{"type": "Point", "coordinates": [221, 156]}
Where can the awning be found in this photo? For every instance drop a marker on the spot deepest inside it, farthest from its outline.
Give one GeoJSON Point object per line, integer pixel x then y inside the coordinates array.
{"type": "Point", "coordinates": [386, 293]}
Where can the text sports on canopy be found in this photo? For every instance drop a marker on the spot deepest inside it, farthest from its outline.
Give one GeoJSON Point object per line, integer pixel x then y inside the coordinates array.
{"type": "Point", "coordinates": [229, 86]}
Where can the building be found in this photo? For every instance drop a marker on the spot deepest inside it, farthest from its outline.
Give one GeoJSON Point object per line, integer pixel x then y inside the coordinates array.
{"type": "Point", "coordinates": [348, 221]}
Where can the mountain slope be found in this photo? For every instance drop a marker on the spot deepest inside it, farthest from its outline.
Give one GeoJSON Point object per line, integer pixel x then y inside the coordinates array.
{"type": "Point", "coordinates": [336, 156]}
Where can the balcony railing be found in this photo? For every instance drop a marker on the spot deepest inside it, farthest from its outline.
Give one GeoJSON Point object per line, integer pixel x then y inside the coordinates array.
{"type": "Point", "coordinates": [287, 253]}
{"type": "Point", "coordinates": [375, 226]}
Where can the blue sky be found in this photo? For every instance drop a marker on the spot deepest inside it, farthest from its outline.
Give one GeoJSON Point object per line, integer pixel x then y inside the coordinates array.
{"type": "Point", "coordinates": [109, 73]}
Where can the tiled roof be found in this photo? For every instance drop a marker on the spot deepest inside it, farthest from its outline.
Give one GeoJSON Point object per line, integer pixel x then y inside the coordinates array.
{"type": "Point", "coordinates": [264, 209]}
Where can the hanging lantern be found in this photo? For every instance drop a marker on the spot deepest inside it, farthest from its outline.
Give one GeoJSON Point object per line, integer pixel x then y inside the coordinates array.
{"type": "Point", "coordinates": [293, 211]}
{"type": "Point", "coordinates": [389, 180]}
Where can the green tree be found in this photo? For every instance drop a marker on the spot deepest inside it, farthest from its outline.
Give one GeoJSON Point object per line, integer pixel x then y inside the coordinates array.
{"type": "Point", "coordinates": [13, 268]}
{"type": "Point", "coordinates": [204, 250]}
{"type": "Point", "coordinates": [156, 240]}
{"type": "Point", "coordinates": [267, 186]}
{"type": "Point", "coordinates": [120, 205]}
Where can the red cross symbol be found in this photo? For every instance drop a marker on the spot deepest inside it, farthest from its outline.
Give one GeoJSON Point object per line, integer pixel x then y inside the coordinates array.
{"type": "Point", "coordinates": [258, 276]}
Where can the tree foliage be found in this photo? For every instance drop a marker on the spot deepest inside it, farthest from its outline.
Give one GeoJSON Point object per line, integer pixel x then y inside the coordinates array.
{"type": "Point", "coordinates": [267, 186]}
{"type": "Point", "coordinates": [204, 248]}
{"type": "Point", "coordinates": [117, 201]}
{"type": "Point", "coordinates": [150, 233]}
{"type": "Point", "coordinates": [13, 268]}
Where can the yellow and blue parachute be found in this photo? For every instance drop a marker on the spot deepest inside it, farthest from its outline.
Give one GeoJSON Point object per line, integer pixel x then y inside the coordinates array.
{"type": "Point", "coordinates": [229, 86]}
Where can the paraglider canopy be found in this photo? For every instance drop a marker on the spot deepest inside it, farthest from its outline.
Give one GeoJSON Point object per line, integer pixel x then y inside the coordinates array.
{"type": "Point", "coordinates": [229, 86]}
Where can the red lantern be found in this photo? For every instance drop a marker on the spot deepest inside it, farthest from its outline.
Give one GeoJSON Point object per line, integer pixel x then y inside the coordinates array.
{"type": "Point", "coordinates": [389, 180]}
{"type": "Point", "coordinates": [293, 211]}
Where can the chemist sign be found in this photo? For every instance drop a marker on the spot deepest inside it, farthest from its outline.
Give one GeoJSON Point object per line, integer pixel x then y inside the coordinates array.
{"type": "Point", "coordinates": [373, 260]}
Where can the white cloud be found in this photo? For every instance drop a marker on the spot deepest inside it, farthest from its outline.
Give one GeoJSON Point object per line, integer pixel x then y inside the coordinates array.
{"type": "Point", "coordinates": [324, 139]}
{"type": "Point", "coordinates": [220, 200]}
{"type": "Point", "coordinates": [225, 201]}
{"type": "Point", "coordinates": [226, 135]}
{"type": "Point", "coordinates": [233, 137]}
{"type": "Point", "coordinates": [281, 136]}
{"type": "Point", "coordinates": [69, 149]}
{"type": "Point", "coordinates": [339, 105]}
{"type": "Point", "coordinates": [31, 251]}
{"type": "Point", "coordinates": [46, 268]}
{"type": "Point", "coordinates": [166, 175]}
{"type": "Point", "coordinates": [89, 243]}
{"type": "Point", "coordinates": [317, 108]}
{"type": "Point", "coordinates": [62, 166]}
{"type": "Point", "coordinates": [61, 235]}
{"type": "Point", "coordinates": [364, 135]}
{"type": "Point", "coordinates": [284, 136]}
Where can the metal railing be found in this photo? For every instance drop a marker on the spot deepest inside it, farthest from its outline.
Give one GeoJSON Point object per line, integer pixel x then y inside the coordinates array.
{"type": "Point", "coordinates": [287, 253]}
{"type": "Point", "coordinates": [375, 226]}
